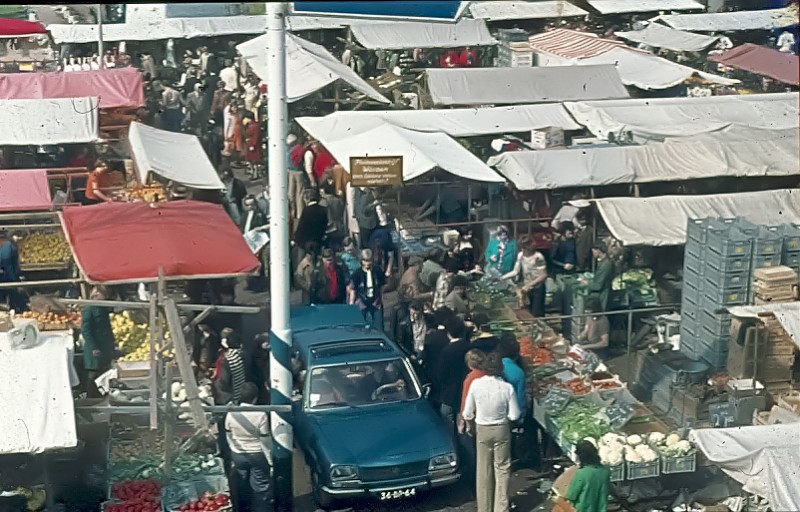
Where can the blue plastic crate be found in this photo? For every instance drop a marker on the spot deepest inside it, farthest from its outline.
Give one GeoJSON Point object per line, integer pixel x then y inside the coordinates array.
{"type": "Point", "coordinates": [730, 280]}
{"type": "Point", "coordinates": [726, 240]}
{"type": "Point", "coordinates": [747, 227]}
{"type": "Point", "coordinates": [689, 309]}
{"type": "Point", "coordinates": [791, 259]}
{"type": "Point", "coordinates": [694, 248]}
{"type": "Point", "coordinates": [691, 288]}
{"type": "Point", "coordinates": [791, 237]}
{"type": "Point", "coordinates": [696, 230]}
{"type": "Point", "coordinates": [724, 297]}
{"type": "Point", "coordinates": [715, 341]}
{"type": "Point", "coordinates": [684, 464]}
{"type": "Point", "coordinates": [640, 470]}
{"type": "Point", "coordinates": [728, 263]}
{"type": "Point", "coordinates": [693, 263]}
{"type": "Point", "coordinates": [717, 323]}
{"type": "Point", "coordinates": [688, 349]}
{"type": "Point", "coordinates": [766, 260]}
{"type": "Point", "coordinates": [768, 241]}
{"type": "Point", "coordinates": [716, 355]}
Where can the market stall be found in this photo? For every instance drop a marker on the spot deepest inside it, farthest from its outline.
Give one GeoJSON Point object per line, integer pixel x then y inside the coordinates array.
{"type": "Point", "coordinates": [634, 6]}
{"type": "Point", "coordinates": [659, 36]}
{"type": "Point", "coordinates": [22, 190]}
{"type": "Point", "coordinates": [763, 61]}
{"type": "Point", "coordinates": [766, 19]}
{"type": "Point", "coordinates": [506, 11]}
{"type": "Point", "coordinates": [48, 121]}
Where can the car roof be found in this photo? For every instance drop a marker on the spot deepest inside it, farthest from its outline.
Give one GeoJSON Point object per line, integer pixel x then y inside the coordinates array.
{"type": "Point", "coordinates": [304, 318]}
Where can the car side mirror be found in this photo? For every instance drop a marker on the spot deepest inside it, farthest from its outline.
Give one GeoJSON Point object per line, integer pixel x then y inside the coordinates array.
{"type": "Point", "coordinates": [426, 390]}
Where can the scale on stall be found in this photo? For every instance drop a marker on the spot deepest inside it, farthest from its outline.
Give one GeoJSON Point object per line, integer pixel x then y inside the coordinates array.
{"type": "Point", "coordinates": [745, 396]}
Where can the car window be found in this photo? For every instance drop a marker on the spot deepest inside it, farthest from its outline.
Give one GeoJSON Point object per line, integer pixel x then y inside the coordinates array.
{"type": "Point", "coordinates": [350, 385]}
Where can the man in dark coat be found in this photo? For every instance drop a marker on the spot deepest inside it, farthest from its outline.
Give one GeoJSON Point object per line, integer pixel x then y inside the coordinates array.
{"type": "Point", "coordinates": [328, 281]}
{"type": "Point", "coordinates": [98, 341]}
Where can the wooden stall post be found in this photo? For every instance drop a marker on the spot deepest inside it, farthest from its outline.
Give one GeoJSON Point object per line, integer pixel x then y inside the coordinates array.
{"type": "Point", "coordinates": [153, 365]}
{"type": "Point", "coordinates": [169, 420]}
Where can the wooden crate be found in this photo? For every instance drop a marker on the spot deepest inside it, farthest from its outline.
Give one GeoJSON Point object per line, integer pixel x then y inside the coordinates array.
{"type": "Point", "coordinates": [772, 274]}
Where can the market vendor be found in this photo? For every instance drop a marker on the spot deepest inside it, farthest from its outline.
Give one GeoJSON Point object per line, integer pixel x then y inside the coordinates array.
{"type": "Point", "coordinates": [588, 491]}
{"type": "Point", "coordinates": [600, 284]}
{"type": "Point", "coordinates": [98, 340]}
{"type": "Point", "coordinates": [501, 252]}
{"type": "Point", "coordinates": [595, 334]}
{"type": "Point", "coordinates": [531, 266]}
{"type": "Point", "coordinates": [97, 184]}
{"type": "Point", "coordinates": [563, 252]}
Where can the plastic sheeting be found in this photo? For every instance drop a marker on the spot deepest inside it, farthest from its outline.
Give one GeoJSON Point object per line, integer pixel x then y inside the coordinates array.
{"type": "Point", "coordinates": [457, 122]}
{"type": "Point", "coordinates": [783, 67]}
{"type": "Point", "coordinates": [503, 10]}
{"type": "Point", "coordinates": [659, 36]}
{"type": "Point", "coordinates": [765, 459]}
{"type": "Point", "coordinates": [647, 71]}
{"type": "Point", "coordinates": [400, 36]}
{"type": "Point", "coordinates": [175, 156]}
{"type": "Point", "coordinates": [768, 19]}
{"type": "Point", "coordinates": [38, 410]}
{"type": "Point", "coordinates": [115, 87]}
{"type": "Point", "coordinates": [505, 86]}
{"type": "Point", "coordinates": [50, 121]}
{"type": "Point", "coordinates": [24, 190]}
{"type": "Point", "coordinates": [625, 6]}
{"type": "Point", "coordinates": [310, 67]}
{"type": "Point", "coordinates": [661, 221]}
{"type": "Point", "coordinates": [659, 118]}
{"type": "Point", "coordinates": [787, 313]}
{"type": "Point", "coordinates": [598, 166]}
{"type": "Point", "coordinates": [130, 242]}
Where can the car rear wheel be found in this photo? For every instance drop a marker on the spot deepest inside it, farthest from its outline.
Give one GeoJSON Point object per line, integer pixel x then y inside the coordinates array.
{"type": "Point", "coordinates": [321, 499]}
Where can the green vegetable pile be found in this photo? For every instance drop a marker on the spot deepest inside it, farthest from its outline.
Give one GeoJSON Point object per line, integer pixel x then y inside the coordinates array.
{"type": "Point", "coordinates": [150, 466]}
{"type": "Point", "coordinates": [578, 420]}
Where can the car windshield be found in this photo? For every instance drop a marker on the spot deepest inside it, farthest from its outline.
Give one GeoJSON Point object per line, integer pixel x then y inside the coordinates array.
{"type": "Point", "coordinates": [351, 385]}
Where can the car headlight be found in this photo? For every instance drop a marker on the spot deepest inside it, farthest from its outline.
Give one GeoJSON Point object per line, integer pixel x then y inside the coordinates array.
{"type": "Point", "coordinates": [440, 462]}
{"type": "Point", "coordinates": [343, 473]}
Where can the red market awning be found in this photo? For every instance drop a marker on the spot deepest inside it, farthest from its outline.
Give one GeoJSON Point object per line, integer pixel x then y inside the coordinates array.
{"type": "Point", "coordinates": [115, 87]}
{"type": "Point", "coordinates": [783, 67]}
{"type": "Point", "coordinates": [130, 242]}
{"type": "Point", "coordinates": [19, 28]}
{"type": "Point", "coordinates": [24, 190]}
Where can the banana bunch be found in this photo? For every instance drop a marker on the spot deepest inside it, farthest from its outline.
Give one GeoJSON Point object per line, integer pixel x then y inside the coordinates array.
{"type": "Point", "coordinates": [35, 497]}
{"type": "Point", "coordinates": [42, 248]}
{"type": "Point", "coordinates": [133, 338]}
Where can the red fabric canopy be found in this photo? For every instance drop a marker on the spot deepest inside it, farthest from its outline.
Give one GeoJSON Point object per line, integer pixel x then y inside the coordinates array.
{"type": "Point", "coordinates": [18, 28]}
{"type": "Point", "coordinates": [24, 190]}
{"type": "Point", "coordinates": [783, 67]}
{"type": "Point", "coordinates": [129, 242]}
{"type": "Point", "coordinates": [115, 87]}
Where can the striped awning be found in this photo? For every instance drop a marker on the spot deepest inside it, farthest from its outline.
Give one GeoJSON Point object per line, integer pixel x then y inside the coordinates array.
{"type": "Point", "coordinates": [571, 44]}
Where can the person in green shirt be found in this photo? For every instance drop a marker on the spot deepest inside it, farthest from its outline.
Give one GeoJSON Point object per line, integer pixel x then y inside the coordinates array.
{"type": "Point", "coordinates": [600, 284]}
{"type": "Point", "coordinates": [588, 491]}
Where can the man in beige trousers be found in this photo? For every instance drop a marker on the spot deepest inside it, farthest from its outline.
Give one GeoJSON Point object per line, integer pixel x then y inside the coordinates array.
{"type": "Point", "coordinates": [492, 405]}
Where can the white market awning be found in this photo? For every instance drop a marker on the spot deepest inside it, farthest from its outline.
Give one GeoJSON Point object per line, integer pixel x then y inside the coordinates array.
{"type": "Point", "coordinates": [522, 10]}
{"type": "Point", "coordinates": [627, 6]}
{"type": "Point", "coordinates": [177, 157]}
{"type": "Point", "coordinates": [659, 36]}
{"type": "Point", "coordinates": [648, 72]}
{"type": "Point", "coordinates": [48, 121]}
{"type": "Point", "coordinates": [298, 23]}
{"type": "Point", "coordinates": [456, 122]}
{"type": "Point", "coordinates": [599, 166]}
{"type": "Point", "coordinates": [768, 19]}
{"type": "Point", "coordinates": [787, 313]}
{"type": "Point", "coordinates": [661, 221]}
{"type": "Point", "coordinates": [310, 67]}
{"type": "Point", "coordinates": [659, 118]}
{"type": "Point", "coordinates": [504, 86]}
{"type": "Point", "coordinates": [407, 35]}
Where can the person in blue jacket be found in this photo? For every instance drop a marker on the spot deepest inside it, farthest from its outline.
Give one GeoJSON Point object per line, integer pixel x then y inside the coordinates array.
{"type": "Point", "coordinates": [501, 252]}
{"type": "Point", "coordinates": [10, 271]}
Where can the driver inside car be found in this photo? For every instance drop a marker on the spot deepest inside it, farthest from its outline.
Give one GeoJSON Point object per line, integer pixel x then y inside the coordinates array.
{"type": "Point", "coordinates": [323, 393]}
{"type": "Point", "coordinates": [388, 382]}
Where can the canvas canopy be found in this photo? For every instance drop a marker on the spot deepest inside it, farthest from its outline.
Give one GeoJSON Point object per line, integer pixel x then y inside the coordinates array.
{"type": "Point", "coordinates": [787, 313]}
{"type": "Point", "coordinates": [659, 118]}
{"type": "Point", "coordinates": [783, 67]}
{"type": "Point", "coordinates": [571, 44]}
{"type": "Point", "coordinates": [175, 156]}
{"type": "Point", "coordinates": [763, 458]}
{"type": "Point", "coordinates": [661, 221]}
{"type": "Point", "coordinates": [129, 242]}
{"type": "Point", "coordinates": [48, 121]}
{"type": "Point", "coordinates": [522, 10]}
{"type": "Point", "coordinates": [300, 23]}
{"type": "Point", "coordinates": [10, 27]}
{"type": "Point", "coordinates": [647, 71]}
{"type": "Point", "coordinates": [24, 189]}
{"type": "Point", "coordinates": [406, 35]}
{"type": "Point", "coordinates": [456, 122]}
{"type": "Point", "coordinates": [114, 87]}
{"type": "Point", "coordinates": [503, 86]}
{"type": "Point", "coordinates": [626, 6]}
{"type": "Point", "coordinates": [599, 166]}
{"type": "Point", "coordinates": [310, 67]}
{"type": "Point", "coordinates": [768, 19]}
{"type": "Point", "coordinates": [659, 36]}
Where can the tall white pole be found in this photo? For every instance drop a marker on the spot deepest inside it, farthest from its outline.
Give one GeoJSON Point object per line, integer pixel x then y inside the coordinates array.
{"type": "Point", "coordinates": [280, 334]}
{"type": "Point", "coordinates": [100, 51]}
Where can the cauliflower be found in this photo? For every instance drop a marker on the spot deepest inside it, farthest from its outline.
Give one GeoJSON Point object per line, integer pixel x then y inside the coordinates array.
{"type": "Point", "coordinates": [611, 439]}
{"type": "Point", "coordinates": [673, 440]}
{"type": "Point", "coordinates": [614, 459]}
{"type": "Point", "coordinates": [683, 447]}
{"type": "Point", "coordinates": [634, 439]}
{"type": "Point", "coordinates": [656, 438]}
{"type": "Point", "coordinates": [646, 453]}
{"type": "Point", "coordinates": [632, 456]}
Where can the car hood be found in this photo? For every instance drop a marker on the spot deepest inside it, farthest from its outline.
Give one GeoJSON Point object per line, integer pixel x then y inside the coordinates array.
{"type": "Point", "coordinates": [381, 434]}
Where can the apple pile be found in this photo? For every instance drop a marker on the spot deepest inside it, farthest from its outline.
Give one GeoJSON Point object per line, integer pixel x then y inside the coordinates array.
{"type": "Point", "coordinates": [208, 503]}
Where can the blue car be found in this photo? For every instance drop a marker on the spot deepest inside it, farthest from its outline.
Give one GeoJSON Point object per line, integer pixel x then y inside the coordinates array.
{"type": "Point", "coordinates": [360, 413]}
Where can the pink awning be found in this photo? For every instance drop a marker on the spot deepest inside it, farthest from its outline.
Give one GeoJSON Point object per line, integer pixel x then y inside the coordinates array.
{"type": "Point", "coordinates": [10, 27]}
{"type": "Point", "coordinates": [783, 67]}
{"type": "Point", "coordinates": [24, 190]}
{"type": "Point", "coordinates": [115, 87]}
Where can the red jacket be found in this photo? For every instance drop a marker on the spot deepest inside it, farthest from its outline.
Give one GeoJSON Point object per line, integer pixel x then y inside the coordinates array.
{"type": "Point", "coordinates": [323, 161]}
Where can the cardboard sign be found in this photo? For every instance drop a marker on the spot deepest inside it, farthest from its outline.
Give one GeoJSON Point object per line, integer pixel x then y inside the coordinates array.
{"type": "Point", "coordinates": [373, 171]}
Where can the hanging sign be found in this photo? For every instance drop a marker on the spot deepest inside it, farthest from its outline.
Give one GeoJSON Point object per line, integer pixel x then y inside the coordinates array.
{"type": "Point", "coordinates": [373, 171]}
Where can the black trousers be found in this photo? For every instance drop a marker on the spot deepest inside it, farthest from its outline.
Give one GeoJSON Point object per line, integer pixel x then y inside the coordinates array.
{"type": "Point", "coordinates": [537, 296]}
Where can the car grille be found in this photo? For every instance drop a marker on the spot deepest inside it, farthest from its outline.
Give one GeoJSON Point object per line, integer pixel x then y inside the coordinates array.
{"type": "Point", "coordinates": [372, 474]}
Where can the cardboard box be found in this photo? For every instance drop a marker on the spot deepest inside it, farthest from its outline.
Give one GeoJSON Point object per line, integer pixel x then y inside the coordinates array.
{"type": "Point", "coordinates": [548, 137]}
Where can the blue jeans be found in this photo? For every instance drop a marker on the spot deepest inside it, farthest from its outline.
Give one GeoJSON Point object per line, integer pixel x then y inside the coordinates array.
{"type": "Point", "coordinates": [251, 471]}
{"type": "Point", "coordinates": [374, 317]}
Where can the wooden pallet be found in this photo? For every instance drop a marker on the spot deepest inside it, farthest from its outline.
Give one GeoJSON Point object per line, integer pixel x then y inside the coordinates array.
{"type": "Point", "coordinates": [772, 274]}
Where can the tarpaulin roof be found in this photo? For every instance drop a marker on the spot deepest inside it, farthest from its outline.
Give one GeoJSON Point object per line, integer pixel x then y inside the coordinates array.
{"type": "Point", "coordinates": [115, 87]}
{"type": "Point", "coordinates": [623, 6]}
{"type": "Point", "coordinates": [763, 458]}
{"type": "Point", "coordinates": [48, 121]}
{"type": "Point", "coordinates": [660, 221]}
{"type": "Point", "coordinates": [571, 44]}
{"type": "Point", "coordinates": [787, 313]}
{"type": "Point", "coordinates": [310, 67]}
{"type": "Point", "coordinates": [10, 27]}
{"type": "Point", "coordinates": [503, 86]}
{"type": "Point", "coordinates": [395, 36]}
{"type": "Point", "coordinates": [659, 36]}
{"type": "Point", "coordinates": [647, 71]}
{"type": "Point", "coordinates": [130, 242]}
{"type": "Point", "coordinates": [421, 151]}
{"type": "Point", "coordinates": [659, 118]}
{"type": "Point", "coordinates": [598, 166]}
{"type": "Point", "coordinates": [522, 10]}
{"type": "Point", "coordinates": [24, 189]}
{"type": "Point", "coordinates": [767, 19]}
{"type": "Point", "coordinates": [299, 23]}
{"type": "Point", "coordinates": [456, 122]}
{"type": "Point", "coordinates": [783, 67]}
{"type": "Point", "coordinates": [175, 156]}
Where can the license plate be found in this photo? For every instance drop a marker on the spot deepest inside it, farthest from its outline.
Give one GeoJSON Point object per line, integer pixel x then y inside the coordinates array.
{"type": "Point", "coordinates": [400, 493]}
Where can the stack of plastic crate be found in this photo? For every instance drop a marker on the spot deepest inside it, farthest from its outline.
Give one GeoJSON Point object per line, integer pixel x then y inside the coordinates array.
{"type": "Point", "coordinates": [790, 255]}
{"type": "Point", "coordinates": [693, 283]}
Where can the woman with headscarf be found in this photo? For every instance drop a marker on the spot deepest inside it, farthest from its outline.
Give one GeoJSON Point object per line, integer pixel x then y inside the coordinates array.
{"type": "Point", "coordinates": [229, 377]}
{"type": "Point", "coordinates": [501, 252]}
{"type": "Point", "coordinates": [256, 359]}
